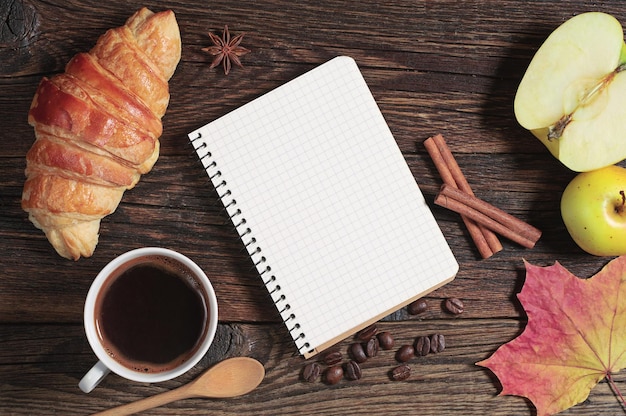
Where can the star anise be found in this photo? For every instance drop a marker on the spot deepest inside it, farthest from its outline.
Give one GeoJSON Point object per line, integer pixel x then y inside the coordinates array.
{"type": "Point", "coordinates": [226, 50]}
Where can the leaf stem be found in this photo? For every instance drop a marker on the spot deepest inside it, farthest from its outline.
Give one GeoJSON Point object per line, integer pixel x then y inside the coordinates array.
{"type": "Point", "coordinates": [615, 389]}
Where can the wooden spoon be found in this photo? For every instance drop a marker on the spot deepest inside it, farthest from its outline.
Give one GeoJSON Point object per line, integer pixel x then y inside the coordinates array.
{"type": "Point", "coordinates": [229, 378]}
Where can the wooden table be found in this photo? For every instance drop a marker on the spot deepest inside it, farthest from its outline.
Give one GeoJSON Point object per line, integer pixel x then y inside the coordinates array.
{"type": "Point", "coordinates": [434, 67]}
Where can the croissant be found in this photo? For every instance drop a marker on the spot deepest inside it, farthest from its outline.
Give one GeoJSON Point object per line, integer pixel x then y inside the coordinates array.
{"type": "Point", "coordinates": [97, 128]}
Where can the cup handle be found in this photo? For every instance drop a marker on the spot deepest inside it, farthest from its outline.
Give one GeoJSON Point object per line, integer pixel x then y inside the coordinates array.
{"type": "Point", "coordinates": [93, 377]}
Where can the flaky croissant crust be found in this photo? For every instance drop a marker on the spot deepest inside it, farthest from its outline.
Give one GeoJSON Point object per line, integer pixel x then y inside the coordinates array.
{"type": "Point", "coordinates": [97, 128]}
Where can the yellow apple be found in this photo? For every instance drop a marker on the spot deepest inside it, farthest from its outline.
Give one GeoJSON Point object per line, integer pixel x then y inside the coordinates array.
{"type": "Point", "coordinates": [593, 207]}
{"type": "Point", "coordinates": [573, 94]}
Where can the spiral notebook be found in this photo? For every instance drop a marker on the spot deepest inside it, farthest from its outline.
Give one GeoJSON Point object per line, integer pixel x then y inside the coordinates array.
{"type": "Point", "coordinates": [325, 204]}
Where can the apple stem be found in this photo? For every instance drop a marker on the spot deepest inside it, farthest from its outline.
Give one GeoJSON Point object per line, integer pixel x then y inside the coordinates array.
{"type": "Point", "coordinates": [615, 389]}
{"type": "Point", "coordinates": [620, 208]}
{"type": "Point", "coordinates": [556, 131]}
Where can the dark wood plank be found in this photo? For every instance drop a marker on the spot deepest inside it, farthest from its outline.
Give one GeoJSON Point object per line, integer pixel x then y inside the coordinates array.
{"type": "Point", "coordinates": [43, 377]}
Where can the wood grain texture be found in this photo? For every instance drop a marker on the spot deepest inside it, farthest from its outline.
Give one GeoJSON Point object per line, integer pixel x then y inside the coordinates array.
{"type": "Point", "coordinates": [437, 66]}
{"type": "Point", "coordinates": [52, 359]}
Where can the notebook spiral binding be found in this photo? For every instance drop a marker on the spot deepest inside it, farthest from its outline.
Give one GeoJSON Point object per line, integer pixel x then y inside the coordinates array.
{"type": "Point", "coordinates": [255, 252]}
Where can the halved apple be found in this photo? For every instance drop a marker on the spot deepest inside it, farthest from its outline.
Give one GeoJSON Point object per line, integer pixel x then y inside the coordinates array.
{"type": "Point", "coordinates": [573, 94]}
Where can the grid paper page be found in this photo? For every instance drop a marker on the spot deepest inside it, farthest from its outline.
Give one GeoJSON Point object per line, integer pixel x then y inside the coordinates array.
{"type": "Point", "coordinates": [323, 198]}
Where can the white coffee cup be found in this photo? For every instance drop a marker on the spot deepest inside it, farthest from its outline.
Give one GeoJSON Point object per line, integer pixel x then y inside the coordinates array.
{"type": "Point", "coordinates": [103, 280]}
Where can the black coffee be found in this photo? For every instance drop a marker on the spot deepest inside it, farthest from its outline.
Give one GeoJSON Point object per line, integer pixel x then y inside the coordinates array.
{"type": "Point", "coordinates": [151, 315]}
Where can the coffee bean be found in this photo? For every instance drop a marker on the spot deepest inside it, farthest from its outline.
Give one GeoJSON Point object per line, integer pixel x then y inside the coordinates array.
{"type": "Point", "coordinates": [437, 343]}
{"type": "Point", "coordinates": [358, 353]}
{"type": "Point", "coordinates": [385, 339]}
{"type": "Point", "coordinates": [333, 374]}
{"type": "Point", "coordinates": [311, 372]}
{"type": "Point", "coordinates": [454, 306]}
{"type": "Point", "coordinates": [353, 370]}
{"type": "Point", "coordinates": [422, 346]}
{"type": "Point", "coordinates": [401, 372]}
{"type": "Point", "coordinates": [417, 307]}
{"type": "Point", "coordinates": [367, 333]}
{"type": "Point", "coordinates": [371, 347]}
{"type": "Point", "coordinates": [333, 357]}
{"type": "Point", "coordinates": [405, 353]}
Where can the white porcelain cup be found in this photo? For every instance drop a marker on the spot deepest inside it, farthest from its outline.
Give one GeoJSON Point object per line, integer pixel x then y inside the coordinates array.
{"type": "Point", "coordinates": [106, 362]}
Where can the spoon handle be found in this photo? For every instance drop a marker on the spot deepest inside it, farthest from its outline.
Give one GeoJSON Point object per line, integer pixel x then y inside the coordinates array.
{"type": "Point", "coordinates": [179, 393]}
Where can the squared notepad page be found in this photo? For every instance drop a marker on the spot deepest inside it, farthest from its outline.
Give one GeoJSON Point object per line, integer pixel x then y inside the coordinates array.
{"type": "Point", "coordinates": [325, 203]}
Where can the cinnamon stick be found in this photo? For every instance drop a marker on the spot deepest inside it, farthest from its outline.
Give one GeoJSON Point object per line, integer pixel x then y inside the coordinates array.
{"type": "Point", "coordinates": [488, 215]}
{"type": "Point", "coordinates": [485, 240]}
{"type": "Point", "coordinates": [463, 184]}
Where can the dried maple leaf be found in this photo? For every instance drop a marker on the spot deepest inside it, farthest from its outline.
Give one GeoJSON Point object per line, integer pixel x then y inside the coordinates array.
{"type": "Point", "coordinates": [575, 336]}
